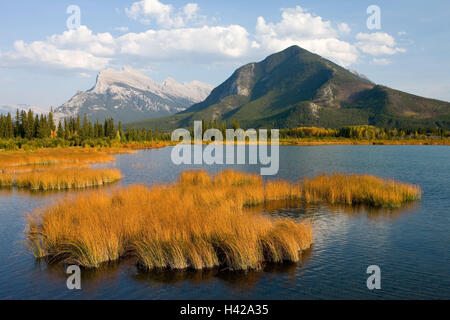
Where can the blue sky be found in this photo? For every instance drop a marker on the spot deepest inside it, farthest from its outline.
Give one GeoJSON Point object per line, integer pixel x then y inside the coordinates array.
{"type": "Point", "coordinates": [43, 63]}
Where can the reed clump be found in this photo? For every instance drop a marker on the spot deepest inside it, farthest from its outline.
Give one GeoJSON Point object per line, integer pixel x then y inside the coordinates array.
{"type": "Point", "coordinates": [347, 189]}
{"type": "Point", "coordinates": [199, 222]}
{"type": "Point", "coordinates": [57, 169]}
{"type": "Point", "coordinates": [69, 178]}
{"type": "Point", "coordinates": [6, 180]}
{"type": "Point", "coordinates": [359, 189]}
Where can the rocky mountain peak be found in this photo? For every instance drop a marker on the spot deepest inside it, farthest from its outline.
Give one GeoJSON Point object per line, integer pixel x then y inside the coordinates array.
{"type": "Point", "coordinates": [128, 95]}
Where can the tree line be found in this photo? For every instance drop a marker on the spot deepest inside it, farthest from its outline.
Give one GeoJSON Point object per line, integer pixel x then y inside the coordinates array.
{"type": "Point", "coordinates": [27, 125]}
{"type": "Point", "coordinates": [41, 130]}
{"type": "Point", "coordinates": [364, 132]}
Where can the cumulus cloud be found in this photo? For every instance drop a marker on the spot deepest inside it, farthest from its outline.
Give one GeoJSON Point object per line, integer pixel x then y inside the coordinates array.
{"type": "Point", "coordinates": [83, 39]}
{"type": "Point", "coordinates": [299, 27]}
{"type": "Point", "coordinates": [82, 50]}
{"type": "Point", "coordinates": [45, 54]}
{"type": "Point", "coordinates": [377, 44]}
{"type": "Point", "coordinates": [231, 41]}
{"type": "Point", "coordinates": [165, 15]}
{"type": "Point", "coordinates": [78, 49]}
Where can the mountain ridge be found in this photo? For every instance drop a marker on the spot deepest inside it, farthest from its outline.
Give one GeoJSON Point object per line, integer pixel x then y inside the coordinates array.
{"type": "Point", "coordinates": [295, 87]}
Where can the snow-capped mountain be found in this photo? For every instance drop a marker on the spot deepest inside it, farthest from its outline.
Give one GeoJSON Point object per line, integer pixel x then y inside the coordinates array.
{"type": "Point", "coordinates": [129, 95]}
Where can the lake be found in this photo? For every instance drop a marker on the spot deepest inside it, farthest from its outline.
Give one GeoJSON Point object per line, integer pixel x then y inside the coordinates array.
{"type": "Point", "coordinates": [410, 245]}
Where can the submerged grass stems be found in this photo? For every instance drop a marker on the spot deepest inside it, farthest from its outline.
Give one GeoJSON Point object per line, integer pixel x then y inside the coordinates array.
{"type": "Point", "coordinates": [201, 221]}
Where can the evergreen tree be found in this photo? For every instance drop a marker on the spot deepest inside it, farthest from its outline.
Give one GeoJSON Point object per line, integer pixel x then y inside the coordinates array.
{"type": "Point", "coordinates": [17, 129]}
{"type": "Point", "coordinates": [51, 121]}
{"type": "Point", "coordinates": [85, 129]}
{"type": "Point", "coordinates": [60, 131]}
{"type": "Point", "coordinates": [9, 127]}
{"type": "Point", "coordinates": [66, 129]}
{"type": "Point", "coordinates": [77, 128]}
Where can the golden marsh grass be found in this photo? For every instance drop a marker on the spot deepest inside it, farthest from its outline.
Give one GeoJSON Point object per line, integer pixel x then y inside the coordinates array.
{"type": "Point", "coordinates": [54, 156]}
{"type": "Point", "coordinates": [6, 180]}
{"type": "Point", "coordinates": [345, 189]}
{"type": "Point", "coordinates": [359, 189]}
{"type": "Point", "coordinates": [199, 222]}
{"type": "Point", "coordinates": [57, 169]}
{"type": "Point", "coordinates": [69, 178]}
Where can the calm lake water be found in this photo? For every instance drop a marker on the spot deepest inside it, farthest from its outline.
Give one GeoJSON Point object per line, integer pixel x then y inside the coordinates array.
{"type": "Point", "coordinates": [411, 246]}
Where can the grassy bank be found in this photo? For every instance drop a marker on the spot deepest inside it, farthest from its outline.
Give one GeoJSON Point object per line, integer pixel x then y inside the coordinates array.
{"type": "Point", "coordinates": [10, 146]}
{"type": "Point", "coordinates": [348, 141]}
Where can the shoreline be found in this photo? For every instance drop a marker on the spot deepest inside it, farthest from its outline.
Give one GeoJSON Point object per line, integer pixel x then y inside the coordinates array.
{"type": "Point", "coordinates": [117, 148]}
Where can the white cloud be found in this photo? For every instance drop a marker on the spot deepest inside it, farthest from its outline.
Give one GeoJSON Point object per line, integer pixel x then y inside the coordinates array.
{"type": "Point", "coordinates": [165, 15]}
{"type": "Point", "coordinates": [297, 20]}
{"type": "Point", "coordinates": [45, 54]}
{"type": "Point", "coordinates": [231, 41]}
{"type": "Point", "coordinates": [344, 28]}
{"type": "Point", "coordinates": [84, 39]}
{"type": "Point", "coordinates": [82, 50]}
{"type": "Point", "coordinates": [190, 10]}
{"type": "Point", "coordinates": [299, 27]}
{"type": "Point", "coordinates": [377, 44]}
{"type": "Point", "coordinates": [78, 49]}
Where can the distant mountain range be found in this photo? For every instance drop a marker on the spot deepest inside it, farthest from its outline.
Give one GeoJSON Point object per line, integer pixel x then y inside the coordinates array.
{"type": "Point", "coordinates": [5, 109]}
{"type": "Point", "coordinates": [298, 88]}
{"type": "Point", "coordinates": [129, 95]}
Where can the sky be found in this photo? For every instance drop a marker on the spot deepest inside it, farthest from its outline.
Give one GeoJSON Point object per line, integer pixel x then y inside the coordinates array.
{"type": "Point", "coordinates": [48, 51]}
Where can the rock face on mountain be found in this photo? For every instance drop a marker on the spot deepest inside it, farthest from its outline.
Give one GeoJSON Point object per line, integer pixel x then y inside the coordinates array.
{"type": "Point", "coordinates": [128, 95]}
{"type": "Point", "coordinates": [295, 87]}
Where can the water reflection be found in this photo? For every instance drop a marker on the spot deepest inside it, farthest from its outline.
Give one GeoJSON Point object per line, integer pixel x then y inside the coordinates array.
{"type": "Point", "coordinates": [103, 276]}
{"type": "Point", "coordinates": [8, 191]}
{"type": "Point", "coordinates": [300, 210]}
{"type": "Point", "coordinates": [237, 280]}
{"type": "Point", "coordinates": [109, 274]}
{"type": "Point", "coordinates": [389, 214]}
